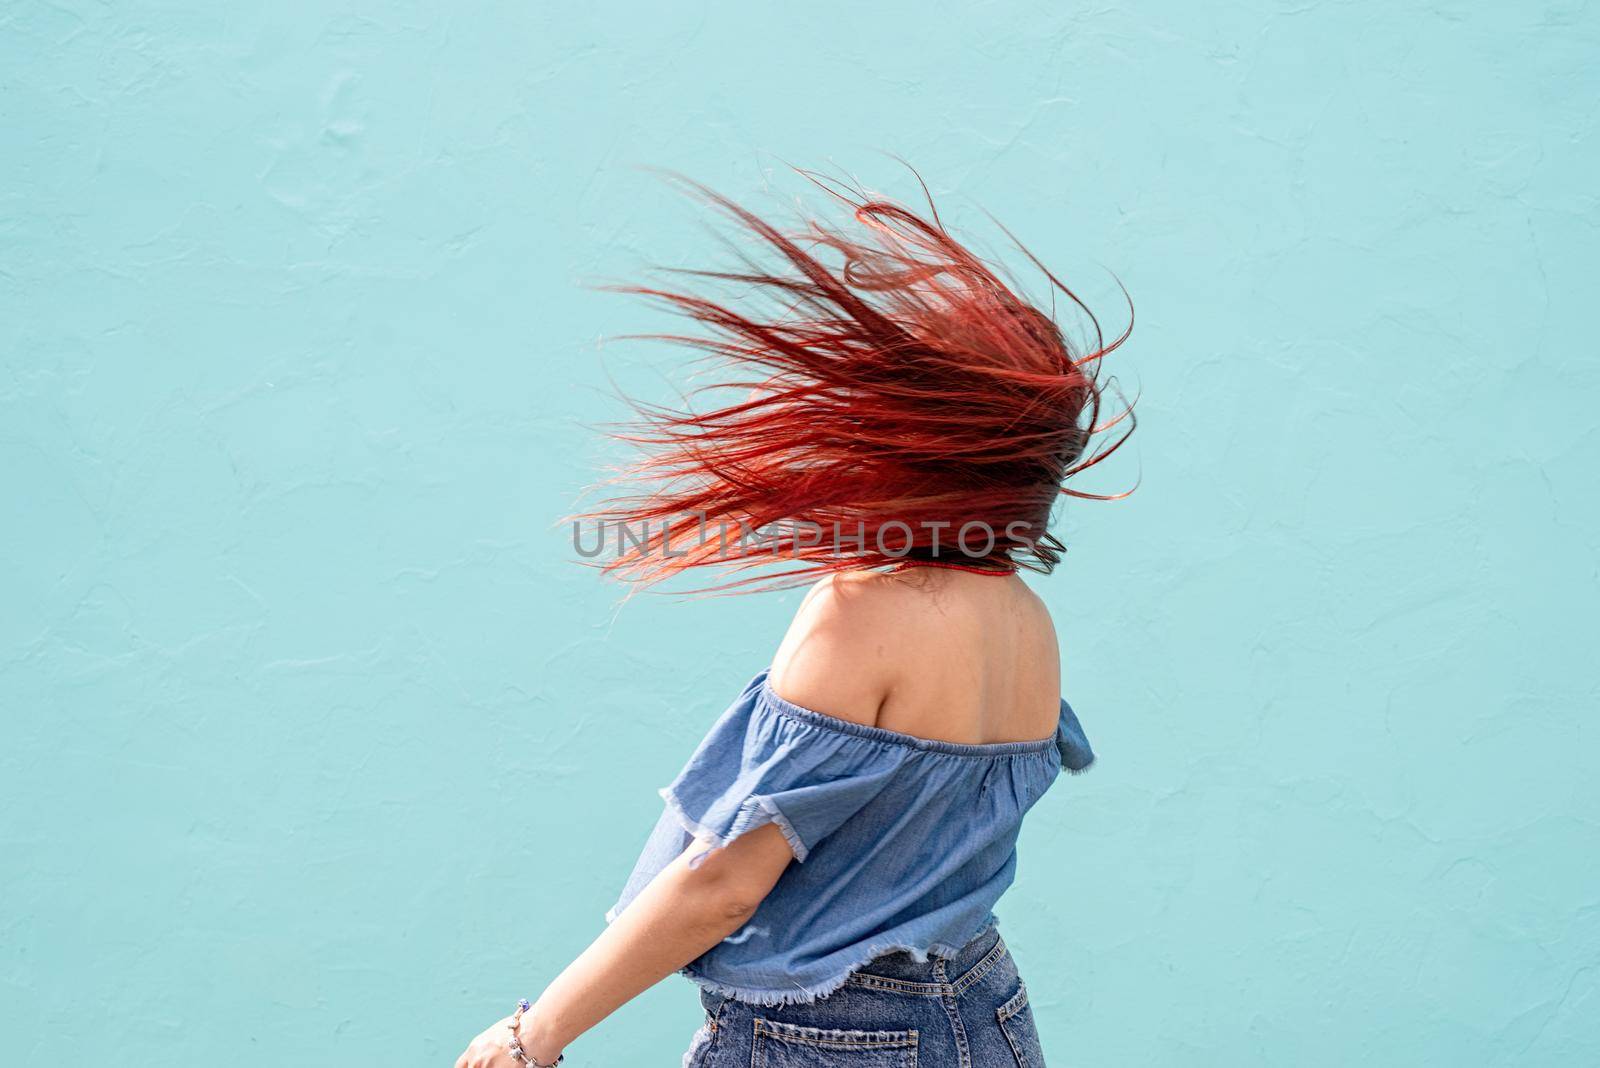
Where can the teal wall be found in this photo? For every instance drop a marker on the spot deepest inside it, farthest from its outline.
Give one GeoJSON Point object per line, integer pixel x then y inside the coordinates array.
{"type": "Point", "coordinates": [317, 747]}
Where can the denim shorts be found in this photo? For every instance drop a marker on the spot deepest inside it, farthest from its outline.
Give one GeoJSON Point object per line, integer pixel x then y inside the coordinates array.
{"type": "Point", "coordinates": [970, 1011]}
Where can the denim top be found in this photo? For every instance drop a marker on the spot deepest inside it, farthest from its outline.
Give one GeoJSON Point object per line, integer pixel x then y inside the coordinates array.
{"type": "Point", "coordinates": [903, 843]}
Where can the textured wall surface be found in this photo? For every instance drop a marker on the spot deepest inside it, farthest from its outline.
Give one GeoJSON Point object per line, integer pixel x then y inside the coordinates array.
{"type": "Point", "coordinates": [317, 748]}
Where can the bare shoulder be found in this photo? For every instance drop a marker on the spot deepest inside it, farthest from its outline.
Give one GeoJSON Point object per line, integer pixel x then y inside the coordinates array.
{"type": "Point", "coordinates": [1037, 613]}
{"type": "Point", "coordinates": [939, 654]}
{"type": "Point", "coordinates": [837, 657]}
{"type": "Point", "coordinates": [1044, 642]}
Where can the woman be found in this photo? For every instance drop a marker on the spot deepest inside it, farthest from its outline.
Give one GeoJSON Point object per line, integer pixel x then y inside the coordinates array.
{"type": "Point", "coordinates": [827, 861]}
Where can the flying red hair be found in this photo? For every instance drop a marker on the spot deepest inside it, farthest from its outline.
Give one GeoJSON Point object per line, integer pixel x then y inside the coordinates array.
{"type": "Point", "coordinates": [894, 392]}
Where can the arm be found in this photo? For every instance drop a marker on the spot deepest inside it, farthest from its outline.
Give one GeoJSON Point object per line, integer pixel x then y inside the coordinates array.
{"type": "Point", "coordinates": [833, 655]}
{"type": "Point", "coordinates": [681, 914]}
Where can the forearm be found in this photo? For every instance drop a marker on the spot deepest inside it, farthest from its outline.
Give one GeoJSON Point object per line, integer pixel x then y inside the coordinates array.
{"type": "Point", "coordinates": [675, 919]}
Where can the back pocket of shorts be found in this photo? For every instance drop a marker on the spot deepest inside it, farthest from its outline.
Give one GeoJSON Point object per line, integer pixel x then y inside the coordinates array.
{"type": "Point", "coordinates": [1016, 1021]}
{"type": "Point", "coordinates": [785, 1045]}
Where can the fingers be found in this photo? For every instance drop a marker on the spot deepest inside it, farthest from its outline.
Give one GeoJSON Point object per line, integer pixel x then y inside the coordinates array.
{"type": "Point", "coordinates": [480, 1054]}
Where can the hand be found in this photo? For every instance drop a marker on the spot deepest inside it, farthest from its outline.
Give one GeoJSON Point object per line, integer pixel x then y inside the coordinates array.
{"type": "Point", "coordinates": [489, 1050]}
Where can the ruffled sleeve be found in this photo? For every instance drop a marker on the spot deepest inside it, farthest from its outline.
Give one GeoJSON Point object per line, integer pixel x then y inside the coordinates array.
{"type": "Point", "coordinates": [1076, 755]}
{"type": "Point", "coordinates": [758, 766]}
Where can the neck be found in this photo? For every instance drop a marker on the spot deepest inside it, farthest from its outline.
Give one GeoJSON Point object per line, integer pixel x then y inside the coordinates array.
{"type": "Point", "coordinates": [999, 570]}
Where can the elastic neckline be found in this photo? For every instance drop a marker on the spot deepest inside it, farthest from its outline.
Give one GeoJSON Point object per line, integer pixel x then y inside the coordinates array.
{"type": "Point", "coordinates": [883, 734]}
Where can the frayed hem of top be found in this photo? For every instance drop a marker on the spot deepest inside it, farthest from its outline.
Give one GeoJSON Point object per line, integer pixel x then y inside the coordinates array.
{"type": "Point", "coordinates": [804, 995]}
{"type": "Point", "coordinates": [753, 812]}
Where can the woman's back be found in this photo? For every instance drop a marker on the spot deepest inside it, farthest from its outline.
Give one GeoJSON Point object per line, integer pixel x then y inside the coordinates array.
{"type": "Point", "coordinates": [934, 652]}
{"type": "Point", "coordinates": [916, 721]}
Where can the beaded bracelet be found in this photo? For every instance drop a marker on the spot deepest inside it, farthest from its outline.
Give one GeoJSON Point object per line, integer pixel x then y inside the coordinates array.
{"type": "Point", "coordinates": [515, 1045]}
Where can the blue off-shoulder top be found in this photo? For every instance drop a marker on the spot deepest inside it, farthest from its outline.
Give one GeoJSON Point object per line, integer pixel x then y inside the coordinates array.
{"type": "Point", "coordinates": [903, 843]}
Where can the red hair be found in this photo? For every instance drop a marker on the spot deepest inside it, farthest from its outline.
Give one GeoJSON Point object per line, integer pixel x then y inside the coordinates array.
{"type": "Point", "coordinates": [891, 385]}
